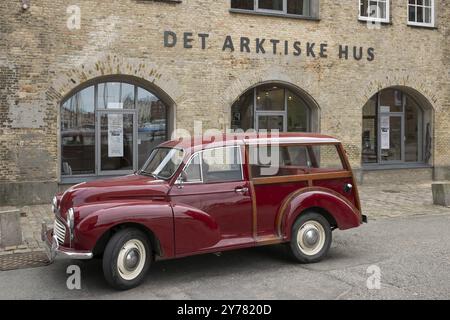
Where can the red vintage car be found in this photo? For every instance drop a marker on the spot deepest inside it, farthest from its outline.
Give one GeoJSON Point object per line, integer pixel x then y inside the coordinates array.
{"type": "Point", "coordinates": [209, 195]}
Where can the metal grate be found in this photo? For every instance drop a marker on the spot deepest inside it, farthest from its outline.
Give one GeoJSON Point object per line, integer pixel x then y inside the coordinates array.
{"type": "Point", "coordinates": [23, 260]}
{"type": "Point", "coordinates": [59, 229]}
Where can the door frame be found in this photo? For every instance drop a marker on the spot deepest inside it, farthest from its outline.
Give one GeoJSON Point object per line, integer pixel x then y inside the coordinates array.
{"type": "Point", "coordinates": [98, 115]}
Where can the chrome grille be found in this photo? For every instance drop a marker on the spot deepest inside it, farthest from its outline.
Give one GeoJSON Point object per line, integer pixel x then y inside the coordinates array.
{"type": "Point", "coordinates": [59, 229]}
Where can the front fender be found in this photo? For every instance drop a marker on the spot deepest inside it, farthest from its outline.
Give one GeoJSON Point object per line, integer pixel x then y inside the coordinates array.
{"type": "Point", "coordinates": [157, 216]}
{"type": "Point", "coordinates": [343, 211]}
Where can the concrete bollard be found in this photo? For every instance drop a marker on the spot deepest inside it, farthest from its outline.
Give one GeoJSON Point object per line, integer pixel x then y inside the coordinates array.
{"type": "Point", "coordinates": [10, 229]}
{"type": "Point", "coordinates": [441, 193]}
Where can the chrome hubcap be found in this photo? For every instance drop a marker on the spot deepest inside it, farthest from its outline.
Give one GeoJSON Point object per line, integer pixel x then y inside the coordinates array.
{"type": "Point", "coordinates": [131, 259]}
{"type": "Point", "coordinates": [311, 238]}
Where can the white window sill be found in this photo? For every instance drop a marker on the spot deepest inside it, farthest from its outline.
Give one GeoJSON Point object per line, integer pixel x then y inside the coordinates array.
{"type": "Point", "coordinates": [366, 19]}
{"type": "Point", "coordinates": [422, 25]}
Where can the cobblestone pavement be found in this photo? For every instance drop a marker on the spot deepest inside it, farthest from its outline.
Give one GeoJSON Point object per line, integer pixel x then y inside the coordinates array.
{"type": "Point", "coordinates": [377, 202]}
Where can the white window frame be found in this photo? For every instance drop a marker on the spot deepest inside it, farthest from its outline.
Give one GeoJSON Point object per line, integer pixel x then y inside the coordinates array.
{"type": "Point", "coordinates": [375, 19]}
{"type": "Point", "coordinates": [421, 24]}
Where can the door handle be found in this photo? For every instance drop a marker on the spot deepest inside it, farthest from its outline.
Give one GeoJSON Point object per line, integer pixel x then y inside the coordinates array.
{"type": "Point", "coordinates": [348, 187]}
{"type": "Point", "coordinates": [241, 190]}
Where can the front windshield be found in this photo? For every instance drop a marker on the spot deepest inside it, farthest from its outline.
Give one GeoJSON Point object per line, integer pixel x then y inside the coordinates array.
{"type": "Point", "coordinates": [163, 163]}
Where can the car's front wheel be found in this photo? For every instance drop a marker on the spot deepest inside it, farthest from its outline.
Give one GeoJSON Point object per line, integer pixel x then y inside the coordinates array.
{"type": "Point", "coordinates": [126, 259]}
{"type": "Point", "coordinates": [311, 238]}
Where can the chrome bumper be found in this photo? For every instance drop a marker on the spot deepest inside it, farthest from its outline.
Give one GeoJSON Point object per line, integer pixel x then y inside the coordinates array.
{"type": "Point", "coordinates": [54, 251]}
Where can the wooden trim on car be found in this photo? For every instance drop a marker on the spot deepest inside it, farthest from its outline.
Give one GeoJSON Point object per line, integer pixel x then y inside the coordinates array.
{"type": "Point", "coordinates": [262, 241]}
{"type": "Point", "coordinates": [310, 177]}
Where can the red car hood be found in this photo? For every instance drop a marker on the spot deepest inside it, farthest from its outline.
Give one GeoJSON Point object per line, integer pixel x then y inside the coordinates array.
{"type": "Point", "coordinates": [127, 187]}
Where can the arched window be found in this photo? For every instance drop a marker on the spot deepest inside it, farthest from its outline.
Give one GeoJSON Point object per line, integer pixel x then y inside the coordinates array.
{"type": "Point", "coordinates": [110, 128]}
{"type": "Point", "coordinates": [396, 129]}
{"type": "Point", "coordinates": [273, 106]}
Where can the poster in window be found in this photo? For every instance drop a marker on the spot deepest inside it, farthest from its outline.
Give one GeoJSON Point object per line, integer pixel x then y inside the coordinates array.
{"type": "Point", "coordinates": [385, 133]}
{"type": "Point", "coordinates": [115, 135]}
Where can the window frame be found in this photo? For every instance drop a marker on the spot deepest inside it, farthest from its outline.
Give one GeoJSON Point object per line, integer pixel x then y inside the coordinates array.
{"type": "Point", "coordinates": [375, 19]}
{"type": "Point", "coordinates": [200, 155]}
{"type": "Point", "coordinates": [282, 13]}
{"type": "Point", "coordinates": [421, 24]}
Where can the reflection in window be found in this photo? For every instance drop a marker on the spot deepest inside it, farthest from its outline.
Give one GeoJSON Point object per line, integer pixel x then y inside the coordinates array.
{"type": "Point", "coordinates": [78, 134]}
{"type": "Point", "coordinates": [374, 10]}
{"type": "Point", "coordinates": [145, 119]}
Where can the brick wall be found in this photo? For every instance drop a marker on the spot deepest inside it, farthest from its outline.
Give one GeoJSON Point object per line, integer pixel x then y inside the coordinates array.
{"type": "Point", "coordinates": [42, 61]}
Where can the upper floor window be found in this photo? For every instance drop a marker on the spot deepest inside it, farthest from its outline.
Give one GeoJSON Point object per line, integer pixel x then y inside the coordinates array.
{"type": "Point", "coordinates": [374, 10]}
{"type": "Point", "coordinates": [303, 8]}
{"type": "Point", "coordinates": [421, 13]}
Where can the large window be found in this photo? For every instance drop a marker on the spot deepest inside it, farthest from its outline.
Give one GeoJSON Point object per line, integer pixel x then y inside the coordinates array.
{"type": "Point", "coordinates": [110, 128]}
{"type": "Point", "coordinates": [374, 10]}
{"type": "Point", "coordinates": [395, 129]}
{"type": "Point", "coordinates": [304, 8]}
{"type": "Point", "coordinates": [421, 13]}
{"type": "Point", "coordinates": [269, 107]}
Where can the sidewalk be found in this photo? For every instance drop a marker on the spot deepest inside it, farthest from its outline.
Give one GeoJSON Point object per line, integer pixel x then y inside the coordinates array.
{"type": "Point", "coordinates": [377, 202]}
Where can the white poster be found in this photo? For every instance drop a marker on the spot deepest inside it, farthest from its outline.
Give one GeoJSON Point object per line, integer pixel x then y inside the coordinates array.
{"type": "Point", "coordinates": [115, 105]}
{"type": "Point", "coordinates": [115, 135]}
{"type": "Point", "coordinates": [384, 109]}
{"type": "Point", "coordinates": [385, 132]}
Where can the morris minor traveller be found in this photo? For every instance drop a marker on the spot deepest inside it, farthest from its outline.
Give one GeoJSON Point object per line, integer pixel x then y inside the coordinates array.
{"type": "Point", "coordinates": [196, 196]}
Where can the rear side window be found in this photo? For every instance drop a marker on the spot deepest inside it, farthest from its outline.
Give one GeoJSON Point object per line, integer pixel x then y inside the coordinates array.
{"type": "Point", "coordinates": [267, 161]}
{"type": "Point", "coordinates": [325, 158]}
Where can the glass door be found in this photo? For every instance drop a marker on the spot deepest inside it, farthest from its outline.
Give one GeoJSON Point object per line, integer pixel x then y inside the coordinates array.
{"type": "Point", "coordinates": [116, 142]}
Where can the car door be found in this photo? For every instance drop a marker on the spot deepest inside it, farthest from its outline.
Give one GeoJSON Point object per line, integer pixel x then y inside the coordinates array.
{"type": "Point", "coordinates": [212, 203]}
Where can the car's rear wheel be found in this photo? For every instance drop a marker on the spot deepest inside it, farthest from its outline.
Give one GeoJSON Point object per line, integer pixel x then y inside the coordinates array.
{"type": "Point", "coordinates": [126, 259]}
{"type": "Point", "coordinates": [311, 238]}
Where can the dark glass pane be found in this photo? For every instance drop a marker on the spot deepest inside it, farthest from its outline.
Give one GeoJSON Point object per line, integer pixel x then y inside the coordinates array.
{"type": "Point", "coordinates": [412, 14]}
{"type": "Point", "coordinates": [412, 113]}
{"type": "Point", "coordinates": [298, 113]}
{"type": "Point", "coordinates": [271, 123]}
{"type": "Point", "coordinates": [152, 122]}
{"type": "Point", "coordinates": [391, 101]}
{"type": "Point", "coordinates": [116, 138]}
{"type": "Point", "coordinates": [270, 98]}
{"type": "Point", "coordinates": [420, 14]}
{"type": "Point", "coordinates": [271, 4]}
{"type": "Point", "coordinates": [300, 7]}
{"type": "Point", "coordinates": [242, 112]}
{"type": "Point", "coordinates": [369, 132]}
{"type": "Point", "coordinates": [326, 157]}
{"type": "Point", "coordinates": [364, 8]}
{"type": "Point", "coordinates": [243, 4]}
{"type": "Point", "coordinates": [78, 134]}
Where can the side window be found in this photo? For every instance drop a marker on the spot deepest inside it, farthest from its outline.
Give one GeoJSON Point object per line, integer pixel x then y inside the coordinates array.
{"type": "Point", "coordinates": [192, 172]}
{"type": "Point", "coordinates": [325, 158]}
{"type": "Point", "coordinates": [221, 164]}
{"type": "Point", "coordinates": [214, 165]}
{"type": "Point", "coordinates": [269, 161]}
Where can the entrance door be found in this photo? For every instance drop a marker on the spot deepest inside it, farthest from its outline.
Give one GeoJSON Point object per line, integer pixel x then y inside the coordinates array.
{"type": "Point", "coordinates": [116, 142]}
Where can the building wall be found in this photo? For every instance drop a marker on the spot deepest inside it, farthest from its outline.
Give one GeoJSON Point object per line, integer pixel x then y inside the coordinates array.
{"type": "Point", "coordinates": [42, 61]}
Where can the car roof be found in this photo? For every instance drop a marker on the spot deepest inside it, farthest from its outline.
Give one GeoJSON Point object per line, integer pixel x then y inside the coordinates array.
{"type": "Point", "coordinates": [247, 138]}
